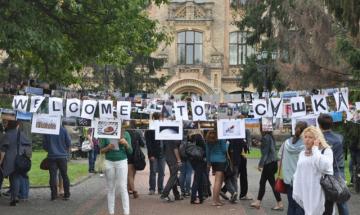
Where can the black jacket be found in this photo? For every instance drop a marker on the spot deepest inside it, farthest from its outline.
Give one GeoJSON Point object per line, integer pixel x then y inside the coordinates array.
{"type": "Point", "coordinates": [153, 146]}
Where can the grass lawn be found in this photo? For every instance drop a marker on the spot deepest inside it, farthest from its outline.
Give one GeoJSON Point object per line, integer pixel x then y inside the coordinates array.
{"type": "Point", "coordinates": [40, 177]}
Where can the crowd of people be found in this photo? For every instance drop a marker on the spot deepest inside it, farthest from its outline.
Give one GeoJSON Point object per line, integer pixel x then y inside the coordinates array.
{"type": "Point", "coordinates": [305, 157]}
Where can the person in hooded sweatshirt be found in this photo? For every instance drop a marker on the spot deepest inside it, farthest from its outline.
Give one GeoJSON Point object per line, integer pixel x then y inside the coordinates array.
{"type": "Point", "coordinates": [289, 152]}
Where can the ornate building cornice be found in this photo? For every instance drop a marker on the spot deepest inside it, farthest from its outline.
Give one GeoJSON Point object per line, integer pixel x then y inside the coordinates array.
{"type": "Point", "coordinates": [188, 12]}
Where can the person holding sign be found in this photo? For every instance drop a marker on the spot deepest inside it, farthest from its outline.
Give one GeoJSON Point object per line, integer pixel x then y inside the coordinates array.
{"type": "Point", "coordinates": [156, 157]}
{"type": "Point", "coordinates": [58, 147]}
{"type": "Point", "coordinates": [268, 168]}
{"type": "Point", "coordinates": [116, 169]}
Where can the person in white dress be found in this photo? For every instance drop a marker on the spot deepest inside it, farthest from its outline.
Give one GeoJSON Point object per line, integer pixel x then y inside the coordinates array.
{"type": "Point", "coordinates": [315, 161]}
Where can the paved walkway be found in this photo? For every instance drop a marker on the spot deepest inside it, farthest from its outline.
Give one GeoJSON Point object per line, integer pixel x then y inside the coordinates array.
{"type": "Point", "coordinates": [89, 198]}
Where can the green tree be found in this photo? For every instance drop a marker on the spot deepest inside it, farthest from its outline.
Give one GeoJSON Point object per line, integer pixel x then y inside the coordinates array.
{"type": "Point", "coordinates": [54, 38]}
{"type": "Point", "coordinates": [304, 36]}
{"type": "Point", "coordinates": [347, 12]}
{"type": "Point", "coordinates": [139, 75]}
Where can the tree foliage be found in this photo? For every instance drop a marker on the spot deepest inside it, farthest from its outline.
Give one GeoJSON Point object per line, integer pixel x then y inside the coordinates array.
{"type": "Point", "coordinates": [305, 37]}
{"type": "Point", "coordinates": [54, 38]}
{"type": "Point", "coordinates": [347, 12]}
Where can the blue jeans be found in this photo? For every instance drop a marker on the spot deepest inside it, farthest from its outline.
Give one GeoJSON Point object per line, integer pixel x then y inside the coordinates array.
{"type": "Point", "coordinates": [92, 158]}
{"type": "Point", "coordinates": [197, 189]}
{"type": "Point", "coordinates": [24, 187]}
{"type": "Point", "coordinates": [14, 179]}
{"type": "Point", "coordinates": [1, 179]}
{"type": "Point", "coordinates": [157, 166]}
{"type": "Point", "coordinates": [293, 207]}
{"type": "Point", "coordinates": [60, 164]}
{"type": "Point", "coordinates": [185, 177]}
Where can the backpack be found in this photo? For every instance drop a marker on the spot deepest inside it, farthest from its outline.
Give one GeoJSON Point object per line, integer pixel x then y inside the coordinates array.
{"type": "Point", "coordinates": [193, 151]}
{"type": "Point", "coordinates": [139, 159]}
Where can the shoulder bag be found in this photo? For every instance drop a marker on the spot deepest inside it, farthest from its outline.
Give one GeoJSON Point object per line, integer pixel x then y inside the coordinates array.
{"type": "Point", "coordinates": [280, 186]}
{"type": "Point", "coordinates": [334, 187]}
{"type": "Point", "coordinates": [22, 162]}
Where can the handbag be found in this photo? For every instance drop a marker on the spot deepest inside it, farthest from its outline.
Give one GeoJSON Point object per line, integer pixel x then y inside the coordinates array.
{"type": "Point", "coordinates": [22, 162]}
{"type": "Point", "coordinates": [44, 165]}
{"type": "Point", "coordinates": [86, 146]}
{"type": "Point", "coordinates": [280, 186]}
{"type": "Point", "coordinates": [334, 187]}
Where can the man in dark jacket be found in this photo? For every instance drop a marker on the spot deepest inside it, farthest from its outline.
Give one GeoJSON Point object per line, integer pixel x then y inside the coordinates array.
{"type": "Point", "coordinates": [14, 142]}
{"type": "Point", "coordinates": [58, 147]}
{"type": "Point", "coordinates": [156, 158]}
{"type": "Point", "coordinates": [336, 142]}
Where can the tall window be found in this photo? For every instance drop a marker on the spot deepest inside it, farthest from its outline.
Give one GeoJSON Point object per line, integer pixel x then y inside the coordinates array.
{"type": "Point", "coordinates": [239, 50]}
{"type": "Point", "coordinates": [237, 3]}
{"type": "Point", "coordinates": [189, 45]}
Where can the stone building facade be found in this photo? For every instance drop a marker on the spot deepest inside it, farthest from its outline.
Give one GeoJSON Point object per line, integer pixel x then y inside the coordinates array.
{"type": "Point", "coordinates": [207, 52]}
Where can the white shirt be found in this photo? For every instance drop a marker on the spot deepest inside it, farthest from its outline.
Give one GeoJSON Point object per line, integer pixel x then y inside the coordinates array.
{"type": "Point", "coordinates": [307, 191]}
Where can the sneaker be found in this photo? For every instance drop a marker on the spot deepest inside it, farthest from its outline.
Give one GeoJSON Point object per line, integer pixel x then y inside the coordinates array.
{"type": "Point", "coordinates": [160, 192]}
{"type": "Point", "coordinates": [66, 197]}
{"type": "Point", "coordinates": [6, 194]}
{"type": "Point", "coordinates": [101, 175]}
{"type": "Point", "coordinates": [166, 199]}
{"type": "Point", "coordinates": [223, 195]}
{"type": "Point", "coordinates": [178, 198]}
{"type": "Point", "coordinates": [233, 197]}
{"type": "Point", "coordinates": [13, 203]}
{"type": "Point", "coordinates": [151, 192]}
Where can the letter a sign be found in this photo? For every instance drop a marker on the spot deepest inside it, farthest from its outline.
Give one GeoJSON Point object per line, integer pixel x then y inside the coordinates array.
{"type": "Point", "coordinates": [342, 101]}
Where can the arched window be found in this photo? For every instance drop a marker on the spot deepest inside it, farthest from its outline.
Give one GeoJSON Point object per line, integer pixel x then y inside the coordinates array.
{"type": "Point", "coordinates": [189, 47]}
{"type": "Point", "coordinates": [239, 50]}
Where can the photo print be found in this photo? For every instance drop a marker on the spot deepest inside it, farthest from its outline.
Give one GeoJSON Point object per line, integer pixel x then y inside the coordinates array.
{"type": "Point", "coordinates": [267, 124]}
{"type": "Point", "coordinates": [106, 128]}
{"type": "Point", "coordinates": [169, 130]}
{"type": "Point", "coordinates": [231, 128]}
{"type": "Point", "coordinates": [45, 124]}
{"type": "Point", "coordinates": [309, 119]}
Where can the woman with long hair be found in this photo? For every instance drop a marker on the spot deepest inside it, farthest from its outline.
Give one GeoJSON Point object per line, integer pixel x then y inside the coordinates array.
{"type": "Point", "coordinates": [289, 152]}
{"type": "Point", "coordinates": [199, 167]}
{"type": "Point", "coordinates": [315, 161]}
{"type": "Point", "coordinates": [216, 157]}
{"type": "Point", "coordinates": [116, 169]}
{"type": "Point", "coordinates": [268, 167]}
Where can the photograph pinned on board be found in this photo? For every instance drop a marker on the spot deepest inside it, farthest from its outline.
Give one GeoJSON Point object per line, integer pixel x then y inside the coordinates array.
{"type": "Point", "coordinates": [106, 128]}
{"type": "Point", "coordinates": [25, 116]}
{"type": "Point", "coordinates": [231, 128]}
{"type": "Point", "coordinates": [252, 123]}
{"type": "Point", "coordinates": [84, 122]}
{"type": "Point", "coordinates": [267, 124]}
{"type": "Point", "coordinates": [309, 119]}
{"type": "Point", "coordinates": [169, 130]}
{"type": "Point", "coordinates": [45, 124]}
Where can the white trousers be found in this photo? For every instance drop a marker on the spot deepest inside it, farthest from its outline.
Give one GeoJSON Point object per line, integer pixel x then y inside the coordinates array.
{"type": "Point", "coordinates": [116, 172]}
